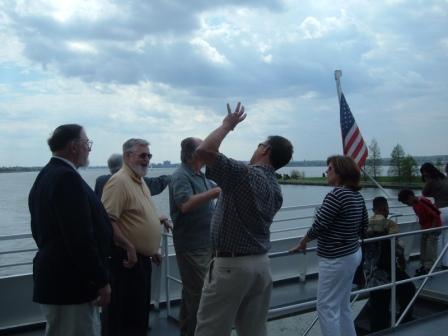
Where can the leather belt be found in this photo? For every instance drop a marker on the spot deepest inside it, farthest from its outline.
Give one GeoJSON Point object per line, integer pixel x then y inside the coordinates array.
{"type": "Point", "coordinates": [226, 254]}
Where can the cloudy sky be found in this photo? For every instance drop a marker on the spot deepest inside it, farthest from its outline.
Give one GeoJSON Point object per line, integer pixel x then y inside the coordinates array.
{"type": "Point", "coordinates": [164, 70]}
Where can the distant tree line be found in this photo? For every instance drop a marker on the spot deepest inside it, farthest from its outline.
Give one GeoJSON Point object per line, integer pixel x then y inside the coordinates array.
{"type": "Point", "coordinates": [18, 169]}
{"type": "Point", "coordinates": [402, 167]}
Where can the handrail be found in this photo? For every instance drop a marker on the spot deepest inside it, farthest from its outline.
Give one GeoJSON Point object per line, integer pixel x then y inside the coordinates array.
{"type": "Point", "coordinates": [16, 236]}
{"type": "Point", "coordinates": [309, 304]}
{"type": "Point", "coordinates": [28, 235]}
{"type": "Point", "coordinates": [393, 283]}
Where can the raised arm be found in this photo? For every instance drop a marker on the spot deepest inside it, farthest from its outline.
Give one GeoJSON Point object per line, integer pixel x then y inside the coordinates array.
{"type": "Point", "coordinates": [209, 149]}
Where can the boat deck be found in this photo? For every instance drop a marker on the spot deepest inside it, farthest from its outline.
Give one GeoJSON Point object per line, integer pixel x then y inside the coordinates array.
{"type": "Point", "coordinates": [434, 325]}
{"type": "Point", "coordinates": [429, 320]}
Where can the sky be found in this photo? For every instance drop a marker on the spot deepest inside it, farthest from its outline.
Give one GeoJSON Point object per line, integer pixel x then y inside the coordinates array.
{"type": "Point", "coordinates": [164, 70]}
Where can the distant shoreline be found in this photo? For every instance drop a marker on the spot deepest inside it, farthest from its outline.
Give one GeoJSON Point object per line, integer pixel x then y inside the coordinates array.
{"type": "Point", "coordinates": [320, 181]}
{"type": "Point", "coordinates": [305, 163]}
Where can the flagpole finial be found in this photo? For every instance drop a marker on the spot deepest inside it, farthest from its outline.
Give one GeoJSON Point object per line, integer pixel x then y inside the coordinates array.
{"type": "Point", "coordinates": [337, 74]}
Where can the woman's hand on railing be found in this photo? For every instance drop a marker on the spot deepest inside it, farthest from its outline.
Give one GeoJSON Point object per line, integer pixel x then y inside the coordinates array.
{"type": "Point", "coordinates": [301, 246]}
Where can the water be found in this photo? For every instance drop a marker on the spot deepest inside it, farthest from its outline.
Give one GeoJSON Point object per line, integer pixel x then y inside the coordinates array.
{"type": "Point", "coordinates": [15, 218]}
{"type": "Point", "coordinates": [15, 187]}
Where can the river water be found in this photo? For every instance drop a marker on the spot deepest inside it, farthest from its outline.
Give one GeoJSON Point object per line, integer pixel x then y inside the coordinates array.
{"type": "Point", "coordinates": [14, 215]}
{"type": "Point", "coordinates": [15, 218]}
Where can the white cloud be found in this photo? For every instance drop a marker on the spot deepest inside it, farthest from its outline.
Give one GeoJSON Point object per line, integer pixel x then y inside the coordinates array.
{"type": "Point", "coordinates": [164, 70]}
{"type": "Point", "coordinates": [208, 51]}
{"type": "Point", "coordinates": [81, 47]}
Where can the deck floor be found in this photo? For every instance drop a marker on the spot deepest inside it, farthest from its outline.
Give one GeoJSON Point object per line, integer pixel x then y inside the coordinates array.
{"type": "Point", "coordinates": [294, 291]}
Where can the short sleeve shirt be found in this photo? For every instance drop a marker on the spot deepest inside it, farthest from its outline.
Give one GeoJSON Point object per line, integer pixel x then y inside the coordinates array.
{"type": "Point", "coordinates": [192, 229]}
{"type": "Point", "coordinates": [250, 198]}
{"type": "Point", "coordinates": [128, 202]}
{"type": "Point", "coordinates": [427, 215]}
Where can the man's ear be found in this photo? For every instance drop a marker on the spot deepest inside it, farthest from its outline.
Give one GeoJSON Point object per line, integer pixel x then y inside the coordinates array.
{"type": "Point", "coordinates": [72, 147]}
{"type": "Point", "coordinates": [266, 150]}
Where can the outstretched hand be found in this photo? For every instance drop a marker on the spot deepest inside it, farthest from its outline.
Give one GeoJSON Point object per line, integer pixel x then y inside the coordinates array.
{"type": "Point", "coordinates": [234, 118]}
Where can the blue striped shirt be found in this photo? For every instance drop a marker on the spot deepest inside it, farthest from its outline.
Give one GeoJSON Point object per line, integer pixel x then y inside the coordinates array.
{"type": "Point", "coordinates": [339, 223]}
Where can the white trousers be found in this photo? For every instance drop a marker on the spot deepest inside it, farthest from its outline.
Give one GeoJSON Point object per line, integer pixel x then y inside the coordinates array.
{"type": "Point", "coordinates": [72, 320]}
{"type": "Point", "coordinates": [443, 238]}
{"type": "Point", "coordinates": [333, 294]}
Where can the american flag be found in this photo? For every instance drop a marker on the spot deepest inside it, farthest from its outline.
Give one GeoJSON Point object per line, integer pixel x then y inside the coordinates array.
{"type": "Point", "coordinates": [354, 145]}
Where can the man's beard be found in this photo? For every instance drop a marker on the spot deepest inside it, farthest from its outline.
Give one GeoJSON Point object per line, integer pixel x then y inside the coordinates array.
{"type": "Point", "coordinates": [139, 170]}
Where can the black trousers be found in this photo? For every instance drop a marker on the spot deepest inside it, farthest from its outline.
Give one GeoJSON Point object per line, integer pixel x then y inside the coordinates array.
{"type": "Point", "coordinates": [128, 312]}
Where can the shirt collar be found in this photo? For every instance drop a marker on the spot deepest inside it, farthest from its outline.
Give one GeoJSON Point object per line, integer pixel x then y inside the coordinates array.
{"type": "Point", "coordinates": [71, 164]}
{"type": "Point", "coordinates": [190, 170]}
{"type": "Point", "coordinates": [269, 168]}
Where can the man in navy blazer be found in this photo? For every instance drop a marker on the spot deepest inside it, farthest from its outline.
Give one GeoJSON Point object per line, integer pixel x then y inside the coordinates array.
{"type": "Point", "coordinates": [73, 235]}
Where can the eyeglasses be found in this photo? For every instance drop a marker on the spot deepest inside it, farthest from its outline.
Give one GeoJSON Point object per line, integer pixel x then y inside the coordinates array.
{"type": "Point", "coordinates": [329, 168]}
{"type": "Point", "coordinates": [89, 143]}
{"type": "Point", "coordinates": [145, 155]}
{"type": "Point", "coordinates": [264, 145]}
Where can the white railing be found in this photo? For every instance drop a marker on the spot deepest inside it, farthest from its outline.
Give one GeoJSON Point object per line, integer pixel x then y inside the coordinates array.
{"type": "Point", "coordinates": [166, 278]}
{"type": "Point", "coordinates": [312, 303]}
{"type": "Point", "coordinates": [393, 283]}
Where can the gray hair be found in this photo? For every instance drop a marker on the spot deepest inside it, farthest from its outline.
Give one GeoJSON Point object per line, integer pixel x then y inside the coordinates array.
{"type": "Point", "coordinates": [115, 162]}
{"type": "Point", "coordinates": [129, 145]}
{"type": "Point", "coordinates": [188, 147]}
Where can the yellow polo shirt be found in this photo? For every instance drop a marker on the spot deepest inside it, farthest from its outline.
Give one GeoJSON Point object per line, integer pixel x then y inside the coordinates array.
{"type": "Point", "coordinates": [128, 202]}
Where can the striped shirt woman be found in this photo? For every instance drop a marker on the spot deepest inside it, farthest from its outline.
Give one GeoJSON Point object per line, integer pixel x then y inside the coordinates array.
{"type": "Point", "coordinates": [337, 228]}
{"type": "Point", "coordinates": [338, 223]}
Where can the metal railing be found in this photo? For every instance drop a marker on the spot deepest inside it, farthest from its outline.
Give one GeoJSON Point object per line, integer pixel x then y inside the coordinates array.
{"type": "Point", "coordinates": [393, 283]}
{"type": "Point", "coordinates": [167, 278]}
{"type": "Point", "coordinates": [286, 310]}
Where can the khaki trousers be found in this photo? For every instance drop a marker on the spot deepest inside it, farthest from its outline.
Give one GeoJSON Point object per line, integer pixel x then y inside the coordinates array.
{"type": "Point", "coordinates": [236, 292]}
{"type": "Point", "coordinates": [193, 266]}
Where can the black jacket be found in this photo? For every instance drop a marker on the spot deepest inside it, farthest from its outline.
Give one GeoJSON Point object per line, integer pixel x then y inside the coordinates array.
{"type": "Point", "coordinates": [73, 235]}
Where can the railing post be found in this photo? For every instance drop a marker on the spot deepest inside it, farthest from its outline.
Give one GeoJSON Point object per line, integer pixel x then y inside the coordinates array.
{"type": "Point", "coordinates": [393, 301]}
{"type": "Point", "coordinates": [167, 268]}
{"type": "Point", "coordinates": [420, 288]}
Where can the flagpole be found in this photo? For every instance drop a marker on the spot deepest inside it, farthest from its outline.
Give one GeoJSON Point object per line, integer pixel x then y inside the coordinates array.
{"type": "Point", "coordinates": [337, 78]}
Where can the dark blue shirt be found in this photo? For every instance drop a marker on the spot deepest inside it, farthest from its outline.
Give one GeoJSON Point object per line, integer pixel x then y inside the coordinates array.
{"type": "Point", "coordinates": [249, 200]}
{"type": "Point", "coordinates": [192, 229]}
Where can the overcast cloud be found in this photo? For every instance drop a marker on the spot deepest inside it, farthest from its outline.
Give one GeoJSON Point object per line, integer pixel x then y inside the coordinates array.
{"type": "Point", "coordinates": [164, 70]}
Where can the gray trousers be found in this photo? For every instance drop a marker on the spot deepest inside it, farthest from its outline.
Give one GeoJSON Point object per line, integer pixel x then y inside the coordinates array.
{"type": "Point", "coordinates": [72, 320]}
{"type": "Point", "coordinates": [236, 292]}
{"type": "Point", "coordinates": [193, 266]}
